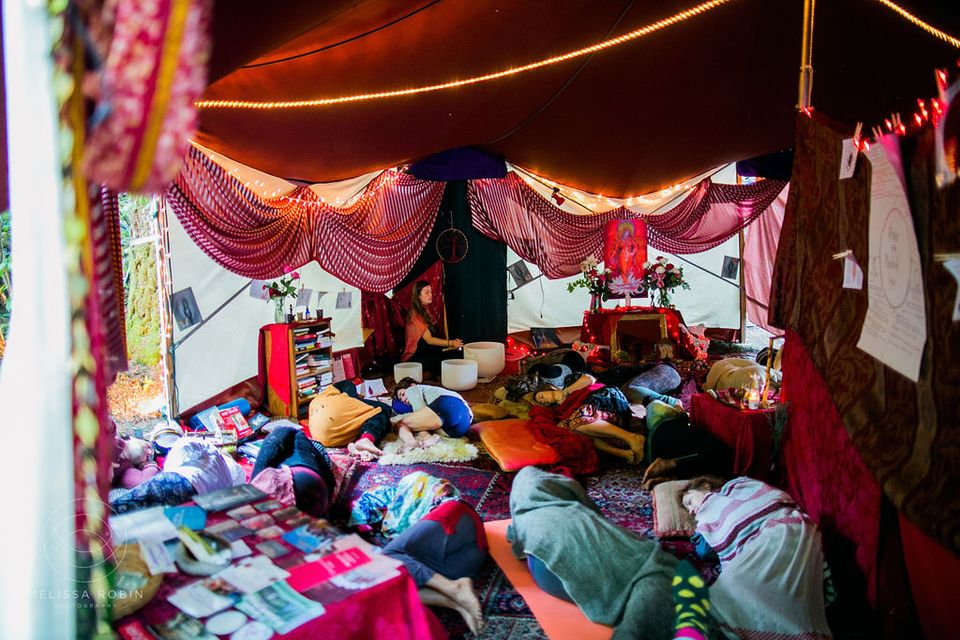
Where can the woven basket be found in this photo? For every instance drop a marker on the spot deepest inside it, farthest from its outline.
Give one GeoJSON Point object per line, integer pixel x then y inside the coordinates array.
{"type": "Point", "coordinates": [129, 561]}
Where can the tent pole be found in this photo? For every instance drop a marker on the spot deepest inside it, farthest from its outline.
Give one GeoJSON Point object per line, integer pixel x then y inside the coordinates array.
{"type": "Point", "coordinates": [164, 283]}
{"type": "Point", "coordinates": [743, 291]}
{"type": "Point", "coordinates": [806, 56]}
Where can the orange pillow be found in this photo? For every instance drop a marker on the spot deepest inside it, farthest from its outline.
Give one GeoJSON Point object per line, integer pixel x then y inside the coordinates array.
{"type": "Point", "coordinates": [512, 444]}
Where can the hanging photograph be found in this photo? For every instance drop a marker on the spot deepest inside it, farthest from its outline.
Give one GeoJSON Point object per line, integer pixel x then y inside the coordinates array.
{"type": "Point", "coordinates": [731, 268]}
{"type": "Point", "coordinates": [520, 273]}
{"type": "Point", "coordinates": [344, 300]}
{"type": "Point", "coordinates": [185, 309]}
{"type": "Point", "coordinates": [624, 252]}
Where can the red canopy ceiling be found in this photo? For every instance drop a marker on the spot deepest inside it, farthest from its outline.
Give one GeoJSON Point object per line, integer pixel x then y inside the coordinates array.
{"type": "Point", "coordinates": [716, 88]}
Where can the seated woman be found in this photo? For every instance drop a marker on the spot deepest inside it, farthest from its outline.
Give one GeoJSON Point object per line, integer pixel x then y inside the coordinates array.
{"type": "Point", "coordinates": [422, 409]}
{"type": "Point", "coordinates": [441, 551]}
{"type": "Point", "coordinates": [339, 417]}
{"type": "Point", "coordinates": [294, 469]}
{"type": "Point", "coordinates": [589, 408]}
{"type": "Point", "coordinates": [771, 580]}
{"type": "Point", "coordinates": [421, 345]}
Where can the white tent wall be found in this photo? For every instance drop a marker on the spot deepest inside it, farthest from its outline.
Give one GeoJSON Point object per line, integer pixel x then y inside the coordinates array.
{"type": "Point", "coordinates": [711, 300]}
{"type": "Point", "coordinates": [223, 351]}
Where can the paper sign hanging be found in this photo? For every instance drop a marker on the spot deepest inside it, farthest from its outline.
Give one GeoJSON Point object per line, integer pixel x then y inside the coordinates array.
{"type": "Point", "coordinates": [731, 267]}
{"type": "Point", "coordinates": [345, 300]}
{"type": "Point", "coordinates": [848, 159]}
{"type": "Point", "coordinates": [303, 297]}
{"type": "Point", "coordinates": [258, 289]}
{"type": "Point", "coordinates": [852, 273]}
{"type": "Point", "coordinates": [953, 266]}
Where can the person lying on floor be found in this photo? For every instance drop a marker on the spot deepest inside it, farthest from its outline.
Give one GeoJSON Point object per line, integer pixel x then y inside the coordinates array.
{"type": "Point", "coordinates": [423, 409]}
{"type": "Point", "coordinates": [442, 551]}
{"type": "Point", "coordinates": [771, 580]}
{"type": "Point", "coordinates": [292, 468]}
{"type": "Point", "coordinates": [338, 417]}
{"type": "Point", "coordinates": [598, 412]}
{"type": "Point", "coordinates": [676, 450]}
{"type": "Point", "coordinates": [614, 577]}
{"type": "Point", "coordinates": [192, 466]}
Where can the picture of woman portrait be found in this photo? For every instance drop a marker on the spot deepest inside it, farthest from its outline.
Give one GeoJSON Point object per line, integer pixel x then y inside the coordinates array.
{"type": "Point", "coordinates": [625, 249]}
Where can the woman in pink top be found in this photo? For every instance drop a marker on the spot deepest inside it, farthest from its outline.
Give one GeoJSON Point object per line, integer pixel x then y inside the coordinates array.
{"type": "Point", "coordinates": [421, 345]}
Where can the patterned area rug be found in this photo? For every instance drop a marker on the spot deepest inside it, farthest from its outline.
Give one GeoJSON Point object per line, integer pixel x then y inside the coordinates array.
{"type": "Point", "coordinates": [616, 491]}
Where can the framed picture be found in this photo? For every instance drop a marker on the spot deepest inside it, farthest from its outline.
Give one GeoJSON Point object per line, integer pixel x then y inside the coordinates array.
{"type": "Point", "coordinates": [185, 309]}
{"type": "Point", "coordinates": [624, 252]}
{"type": "Point", "coordinates": [544, 338]}
{"type": "Point", "coordinates": [635, 336]}
{"type": "Point", "coordinates": [520, 273]}
{"type": "Point", "coordinates": [731, 268]}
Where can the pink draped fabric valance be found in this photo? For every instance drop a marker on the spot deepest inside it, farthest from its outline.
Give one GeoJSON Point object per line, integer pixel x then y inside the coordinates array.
{"type": "Point", "coordinates": [510, 211]}
{"type": "Point", "coordinates": [370, 244]}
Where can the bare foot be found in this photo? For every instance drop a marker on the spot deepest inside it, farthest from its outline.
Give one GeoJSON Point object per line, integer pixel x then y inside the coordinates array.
{"type": "Point", "coordinates": [464, 595]}
{"type": "Point", "coordinates": [365, 448]}
{"type": "Point", "coordinates": [657, 471]}
{"type": "Point", "coordinates": [636, 446]}
{"type": "Point", "coordinates": [426, 440]}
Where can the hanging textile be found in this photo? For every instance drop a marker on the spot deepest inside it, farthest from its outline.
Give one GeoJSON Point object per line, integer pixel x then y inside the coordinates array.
{"type": "Point", "coordinates": [905, 432]}
{"type": "Point", "coordinates": [370, 244]}
{"type": "Point", "coordinates": [510, 211]}
{"type": "Point", "coordinates": [108, 280]}
{"type": "Point", "coordinates": [759, 256]}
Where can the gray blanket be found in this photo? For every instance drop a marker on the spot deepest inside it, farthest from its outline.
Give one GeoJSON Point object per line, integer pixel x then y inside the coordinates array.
{"type": "Point", "coordinates": [614, 577]}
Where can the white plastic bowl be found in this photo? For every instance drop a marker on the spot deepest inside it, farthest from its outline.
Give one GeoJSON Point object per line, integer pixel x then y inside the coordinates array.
{"type": "Point", "coordinates": [459, 374]}
{"type": "Point", "coordinates": [489, 356]}
{"type": "Point", "coordinates": [408, 370]}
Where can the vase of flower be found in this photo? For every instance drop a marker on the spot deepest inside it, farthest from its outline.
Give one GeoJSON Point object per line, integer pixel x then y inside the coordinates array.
{"type": "Point", "coordinates": [595, 280]}
{"type": "Point", "coordinates": [278, 292]}
{"type": "Point", "coordinates": [660, 278]}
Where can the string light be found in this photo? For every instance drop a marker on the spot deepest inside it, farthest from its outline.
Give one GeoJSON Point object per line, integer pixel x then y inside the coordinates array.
{"type": "Point", "coordinates": [909, 17]}
{"type": "Point", "coordinates": [505, 73]}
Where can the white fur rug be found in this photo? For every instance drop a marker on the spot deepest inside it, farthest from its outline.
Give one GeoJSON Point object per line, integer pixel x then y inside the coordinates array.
{"type": "Point", "coordinates": [447, 450]}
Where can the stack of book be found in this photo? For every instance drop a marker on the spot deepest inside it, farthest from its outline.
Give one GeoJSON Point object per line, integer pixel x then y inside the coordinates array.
{"type": "Point", "coordinates": [318, 362]}
{"type": "Point", "coordinates": [305, 338]}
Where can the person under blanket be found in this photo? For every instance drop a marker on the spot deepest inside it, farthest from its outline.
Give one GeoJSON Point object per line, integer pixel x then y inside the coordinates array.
{"type": "Point", "coordinates": [442, 551]}
{"type": "Point", "coordinates": [614, 577]}
{"type": "Point", "coordinates": [294, 469]}
{"type": "Point", "coordinates": [339, 417]}
{"type": "Point", "coordinates": [675, 449]}
{"type": "Point", "coordinates": [423, 409]}
{"type": "Point", "coordinates": [771, 580]}
{"type": "Point", "coordinates": [598, 412]}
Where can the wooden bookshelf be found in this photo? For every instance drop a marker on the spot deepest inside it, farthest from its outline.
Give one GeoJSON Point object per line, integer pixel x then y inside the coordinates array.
{"type": "Point", "coordinates": [284, 397]}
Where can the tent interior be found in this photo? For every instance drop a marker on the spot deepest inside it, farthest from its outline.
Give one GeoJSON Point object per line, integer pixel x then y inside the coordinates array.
{"type": "Point", "coordinates": [722, 238]}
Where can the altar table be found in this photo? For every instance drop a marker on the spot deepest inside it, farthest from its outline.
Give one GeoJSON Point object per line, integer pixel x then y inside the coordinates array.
{"type": "Point", "coordinates": [598, 326]}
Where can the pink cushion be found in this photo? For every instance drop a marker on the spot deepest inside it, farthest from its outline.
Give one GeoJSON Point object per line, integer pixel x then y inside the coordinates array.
{"type": "Point", "coordinates": [670, 519]}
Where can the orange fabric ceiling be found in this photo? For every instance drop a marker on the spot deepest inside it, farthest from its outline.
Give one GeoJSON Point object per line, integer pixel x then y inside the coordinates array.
{"type": "Point", "coordinates": [716, 88]}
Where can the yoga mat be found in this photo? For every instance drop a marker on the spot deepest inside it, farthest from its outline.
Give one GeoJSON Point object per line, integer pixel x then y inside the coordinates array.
{"type": "Point", "coordinates": [559, 619]}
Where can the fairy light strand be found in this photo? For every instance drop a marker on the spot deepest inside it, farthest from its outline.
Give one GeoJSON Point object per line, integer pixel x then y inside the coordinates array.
{"type": "Point", "coordinates": [512, 71]}
{"type": "Point", "coordinates": [929, 28]}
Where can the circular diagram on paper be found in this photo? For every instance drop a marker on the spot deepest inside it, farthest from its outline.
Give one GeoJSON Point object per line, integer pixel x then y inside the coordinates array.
{"type": "Point", "coordinates": [895, 265]}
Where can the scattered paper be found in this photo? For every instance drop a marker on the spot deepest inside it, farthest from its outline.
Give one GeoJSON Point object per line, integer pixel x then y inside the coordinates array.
{"type": "Point", "coordinates": [303, 297]}
{"type": "Point", "coordinates": [344, 300]}
{"type": "Point", "coordinates": [852, 273]}
{"type": "Point", "coordinates": [158, 557]}
{"type": "Point", "coordinates": [252, 574]}
{"type": "Point", "coordinates": [848, 159]}
{"type": "Point", "coordinates": [258, 289]}
{"type": "Point", "coordinates": [198, 601]}
{"type": "Point", "coordinates": [374, 388]}
{"type": "Point", "coordinates": [146, 524]}
{"type": "Point", "coordinates": [953, 266]}
{"type": "Point", "coordinates": [239, 549]}
{"type": "Point", "coordinates": [895, 328]}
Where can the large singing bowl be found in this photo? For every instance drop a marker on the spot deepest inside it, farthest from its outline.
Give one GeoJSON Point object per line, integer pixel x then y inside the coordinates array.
{"type": "Point", "coordinates": [489, 357]}
{"type": "Point", "coordinates": [459, 374]}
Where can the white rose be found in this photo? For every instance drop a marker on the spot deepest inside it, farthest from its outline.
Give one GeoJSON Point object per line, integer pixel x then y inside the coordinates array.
{"type": "Point", "coordinates": [647, 265]}
{"type": "Point", "coordinates": [661, 270]}
{"type": "Point", "coordinates": [676, 270]}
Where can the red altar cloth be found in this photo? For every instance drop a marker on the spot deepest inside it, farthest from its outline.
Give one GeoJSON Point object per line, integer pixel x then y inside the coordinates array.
{"type": "Point", "coordinates": [598, 327]}
{"type": "Point", "coordinates": [746, 432]}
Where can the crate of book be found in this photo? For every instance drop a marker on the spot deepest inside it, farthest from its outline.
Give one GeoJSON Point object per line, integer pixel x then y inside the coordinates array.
{"type": "Point", "coordinates": [298, 359]}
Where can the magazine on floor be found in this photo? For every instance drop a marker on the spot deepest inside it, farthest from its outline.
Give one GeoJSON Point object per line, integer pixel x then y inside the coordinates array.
{"type": "Point", "coordinates": [280, 607]}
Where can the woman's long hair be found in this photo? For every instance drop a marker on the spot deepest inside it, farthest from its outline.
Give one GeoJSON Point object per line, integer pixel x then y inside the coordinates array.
{"type": "Point", "coordinates": [416, 307]}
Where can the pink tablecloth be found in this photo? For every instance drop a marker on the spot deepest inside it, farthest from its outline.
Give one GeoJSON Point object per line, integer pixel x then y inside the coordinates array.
{"type": "Point", "coordinates": [747, 433]}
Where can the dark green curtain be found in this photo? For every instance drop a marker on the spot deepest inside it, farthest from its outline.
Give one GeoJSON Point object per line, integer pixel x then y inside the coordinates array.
{"type": "Point", "coordinates": [475, 289]}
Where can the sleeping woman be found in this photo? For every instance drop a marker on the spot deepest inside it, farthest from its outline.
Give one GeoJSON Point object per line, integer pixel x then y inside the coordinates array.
{"type": "Point", "coordinates": [423, 409]}
{"type": "Point", "coordinates": [598, 412]}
